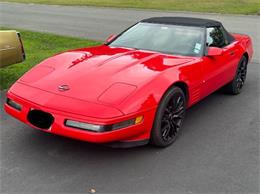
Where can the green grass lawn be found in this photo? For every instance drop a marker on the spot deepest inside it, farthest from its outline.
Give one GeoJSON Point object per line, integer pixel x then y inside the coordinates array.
{"type": "Point", "coordinates": [39, 46]}
{"type": "Point", "coordinates": [215, 6]}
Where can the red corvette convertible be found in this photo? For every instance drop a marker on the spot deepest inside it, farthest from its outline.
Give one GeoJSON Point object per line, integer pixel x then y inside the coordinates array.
{"type": "Point", "coordinates": [136, 87]}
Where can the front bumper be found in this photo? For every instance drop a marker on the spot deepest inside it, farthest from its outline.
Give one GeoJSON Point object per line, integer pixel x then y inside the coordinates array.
{"type": "Point", "coordinates": [132, 133]}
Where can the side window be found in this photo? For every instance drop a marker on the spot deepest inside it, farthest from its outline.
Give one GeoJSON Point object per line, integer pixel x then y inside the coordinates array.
{"type": "Point", "coordinates": [215, 37]}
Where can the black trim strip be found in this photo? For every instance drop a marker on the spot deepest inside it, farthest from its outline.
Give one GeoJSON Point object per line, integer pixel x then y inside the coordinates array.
{"type": "Point", "coordinates": [127, 144]}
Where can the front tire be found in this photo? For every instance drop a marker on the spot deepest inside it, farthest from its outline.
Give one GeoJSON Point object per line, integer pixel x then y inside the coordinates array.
{"type": "Point", "coordinates": [169, 118]}
{"type": "Point", "coordinates": [236, 85]}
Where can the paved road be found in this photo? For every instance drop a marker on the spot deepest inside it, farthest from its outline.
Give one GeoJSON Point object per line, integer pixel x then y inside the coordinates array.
{"type": "Point", "coordinates": [217, 152]}
{"type": "Point", "coordinates": [99, 23]}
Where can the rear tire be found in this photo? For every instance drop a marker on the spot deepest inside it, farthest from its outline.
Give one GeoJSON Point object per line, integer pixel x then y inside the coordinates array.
{"type": "Point", "coordinates": [236, 85]}
{"type": "Point", "coordinates": [169, 118]}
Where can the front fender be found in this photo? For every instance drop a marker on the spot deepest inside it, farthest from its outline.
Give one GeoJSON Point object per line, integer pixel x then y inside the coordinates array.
{"type": "Point", "coordinates": [148, 96]}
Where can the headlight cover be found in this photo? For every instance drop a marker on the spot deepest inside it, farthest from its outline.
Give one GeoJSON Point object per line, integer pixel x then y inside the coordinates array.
{"type": "Point", "coordinates": [103, 128]}
{"type": "Point", "coordinates": [85, 126]}
{"type": "Point", "coordinates": [13, 104]}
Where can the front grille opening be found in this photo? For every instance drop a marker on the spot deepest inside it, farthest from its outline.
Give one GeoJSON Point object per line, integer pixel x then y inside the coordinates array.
{"type": "Point", "coordinates": [40, 119]}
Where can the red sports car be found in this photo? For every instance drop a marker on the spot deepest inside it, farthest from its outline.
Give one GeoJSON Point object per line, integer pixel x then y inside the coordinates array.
{"type": "Point", "coordinates": [136, 87]}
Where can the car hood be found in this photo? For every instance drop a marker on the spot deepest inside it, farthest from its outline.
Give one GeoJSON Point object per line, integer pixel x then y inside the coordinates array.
{"type": "Point", "coordinates": [100, 73]}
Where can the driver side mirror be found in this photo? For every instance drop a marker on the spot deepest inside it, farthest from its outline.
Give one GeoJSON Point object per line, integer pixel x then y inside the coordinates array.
{"type": "Point", "coordinates": [110, 38]}
{"type": "Point", "coordinates": [214, 51]}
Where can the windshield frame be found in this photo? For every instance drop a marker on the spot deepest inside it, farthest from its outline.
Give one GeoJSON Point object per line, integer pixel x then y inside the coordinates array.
{"type": "Point", "coordinates": [203, 44]}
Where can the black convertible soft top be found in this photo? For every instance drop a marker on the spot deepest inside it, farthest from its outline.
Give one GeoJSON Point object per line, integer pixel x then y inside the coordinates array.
{"type": "Point", "coordinates": [185, 21]}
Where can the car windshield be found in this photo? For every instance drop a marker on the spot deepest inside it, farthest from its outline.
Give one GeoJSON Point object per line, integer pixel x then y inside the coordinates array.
{"type": "Point", "coordinates": [170, 39]}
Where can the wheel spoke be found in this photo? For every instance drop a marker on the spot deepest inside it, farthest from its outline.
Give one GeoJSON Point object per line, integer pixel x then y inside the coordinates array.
{"type": "Point", "coordinates": [179, 111]}
{"type": "Point", "coordinates": [165, 132]}
{"type": "Point", "coordinates": [174, 124]}
{"type": "Point", "coordinates": [167, 111]}
{"type": "Point", "coordinates": [172, 117]}
{"type": "Point", "coordinates": [179, 102]}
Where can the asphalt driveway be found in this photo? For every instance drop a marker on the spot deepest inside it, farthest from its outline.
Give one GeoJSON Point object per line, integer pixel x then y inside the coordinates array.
{"type": "Point", "coordinates": [218, 150]}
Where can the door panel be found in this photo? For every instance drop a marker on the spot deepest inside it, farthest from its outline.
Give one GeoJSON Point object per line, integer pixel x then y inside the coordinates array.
{"type": "Point", "coordinates": [233, 58]}
{"type": "Point", "coordinates": [218, 70]}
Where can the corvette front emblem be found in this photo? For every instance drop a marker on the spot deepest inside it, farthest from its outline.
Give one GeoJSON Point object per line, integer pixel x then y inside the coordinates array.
{"type": "Point", "coordinates": [63, 88]}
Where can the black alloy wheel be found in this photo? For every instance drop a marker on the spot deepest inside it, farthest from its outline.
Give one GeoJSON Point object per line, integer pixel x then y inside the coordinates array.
{"type": "Point", "coordinates": [241, 74]}
{"type": "Point", "coordinates": [236, 85]}
{"type": "Point", "coordinates": [169, 118]}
